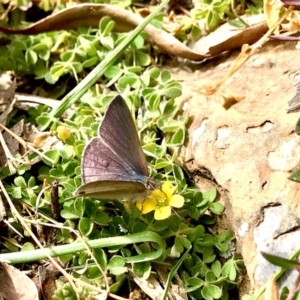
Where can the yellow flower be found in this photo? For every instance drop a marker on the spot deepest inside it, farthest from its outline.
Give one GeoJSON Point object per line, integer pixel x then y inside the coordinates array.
{"type": "Point", "coordinates": [63, 132]}
{"type": "Point", "coordinates": [161, 201]}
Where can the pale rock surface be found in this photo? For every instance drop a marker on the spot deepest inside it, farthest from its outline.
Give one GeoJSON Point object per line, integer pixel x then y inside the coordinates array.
{"type": "Point", "coordinates": [248, 152]}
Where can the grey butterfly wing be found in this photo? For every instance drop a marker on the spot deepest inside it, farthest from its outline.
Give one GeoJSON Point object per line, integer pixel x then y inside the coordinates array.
{"type": "Point", "coordinates": [118, 132]}
{"type": "Point", "coordinates": [100, 163]}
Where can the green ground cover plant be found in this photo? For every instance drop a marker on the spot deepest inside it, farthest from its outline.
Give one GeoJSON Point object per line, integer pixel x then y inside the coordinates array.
{"type": "Point", "coordinates": [107, 243]}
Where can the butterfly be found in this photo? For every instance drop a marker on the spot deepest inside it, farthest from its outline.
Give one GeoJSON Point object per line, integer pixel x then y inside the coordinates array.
{"type": "Point", "coordinates": [113, 163]}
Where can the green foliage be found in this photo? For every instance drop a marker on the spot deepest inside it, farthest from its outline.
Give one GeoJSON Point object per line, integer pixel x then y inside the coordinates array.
{"type": "Point", "coordinates": [295, 176]}
{"type": "Point", "coordinates": [255, 7]}
{"type": "Point", "coordinates": [27, 190]}
{"type": "Point", "coordinates": [201, 271]}
{"type": "Point", "coordinates": [213, 12]}
{"type": "Point", "coordinates": [286, 265]}
{"type": "Point", "coordinates": [65, 291]}
{"type": "Point", "coordinates": [150, 93]}
{"type": "Point", "coordinates": [280, 261]}
{"type": "Point", "coordinates": [80, 51]}
{"type": "Point", "coordinates": [207, 15]}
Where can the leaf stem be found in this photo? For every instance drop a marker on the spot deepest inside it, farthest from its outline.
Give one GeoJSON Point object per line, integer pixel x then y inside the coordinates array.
{"type": "Point", "coordinates": [146, 236]}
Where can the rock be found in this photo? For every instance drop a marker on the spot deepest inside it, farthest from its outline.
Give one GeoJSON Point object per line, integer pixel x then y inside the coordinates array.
{"type": "Point", "coordinates": [248, 151]}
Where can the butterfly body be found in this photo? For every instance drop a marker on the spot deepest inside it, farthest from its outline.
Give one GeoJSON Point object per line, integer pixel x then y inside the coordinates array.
{"type": "Point", "coordinates": [113, 164]}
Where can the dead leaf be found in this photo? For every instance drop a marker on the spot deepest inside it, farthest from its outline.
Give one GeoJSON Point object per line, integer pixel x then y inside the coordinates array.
{"type": "Point", "coordinates": [294, 24]}
{"type": "Point", "coordinates": [246, 52]}
{"type": "Point", "coordinates": [89, 15]}
{"type": "Point", "coordinates": [271, 289]}
{"type": "Point", "coordinates": [228, 37]}
{"type": "Point", "coordinates": [11, 143]}
{"type": "Point", "coordinates": [7, 92]}
{"type": "Point", "coordinates": [41, 140]}
{"type": "Point", "coordinates": [272, 10]}
{"type": "Point", "coordinates": [47, 279]}
{"type": "Point", "coordinates": [150, 286]}
{"type": "Point", "coordinates": [7, 86]}
{"type": "Point", "coordinates": [138, 294]}
{"type": "Point", "coordinates": [14, 285]}
{"type": "Point", "coordinates": [19, 138]}
{"type": "Point", "coordinates": [2, 210]}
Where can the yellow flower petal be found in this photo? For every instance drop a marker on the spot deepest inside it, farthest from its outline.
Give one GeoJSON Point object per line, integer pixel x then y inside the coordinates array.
{"type": "Point", "coordinates": [148, 205]}
{"type": "Point", "coordinates": [168, 188]}
{"type": "Point", "coordinates": [162, 213]}
{"type": "Point", "coordinates": [176, 201]}
{"type": "Point", "coordinates": [159, 197]}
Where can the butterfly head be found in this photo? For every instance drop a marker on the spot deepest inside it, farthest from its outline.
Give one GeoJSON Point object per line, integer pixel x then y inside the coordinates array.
{"type": "Point", "coordinates": [152, 184]}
